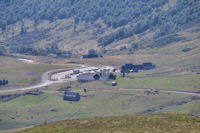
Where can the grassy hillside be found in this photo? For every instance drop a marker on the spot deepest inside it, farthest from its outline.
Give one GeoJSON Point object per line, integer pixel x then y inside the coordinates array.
{"type": "Point", "coordinates": [167, 123]}
{"type": "Point", "coordinates": [66, 28]}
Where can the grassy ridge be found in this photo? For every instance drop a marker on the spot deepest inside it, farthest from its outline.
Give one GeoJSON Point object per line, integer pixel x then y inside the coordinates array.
{"type": "Point", "coordinates": [166, 123]}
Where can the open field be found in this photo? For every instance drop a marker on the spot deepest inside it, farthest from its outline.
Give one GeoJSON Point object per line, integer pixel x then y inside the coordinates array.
{"type": "Point", "coordinates": [49, 106]}
{"type": "Point", "coordinates": [20, 74]}
{"type": "Point", "coordinates": [177, 69]}
{"type": "Point", "coordinates": [31, 110]}
{"type": "Point", "coordinates": [153, 79]}
{"type": "Point", "coordinates": [104, 100]}
{"type": "Point", "coordinates": [166, 123]}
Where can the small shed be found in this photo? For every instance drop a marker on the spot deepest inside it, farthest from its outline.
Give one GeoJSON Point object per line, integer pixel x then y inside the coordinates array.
{"type": "Point", "coordinates": [96, 77]}
{"type": "Point", "coordinates": [114, 83]}
{"type": "Point", "coordinates": [71, 96]}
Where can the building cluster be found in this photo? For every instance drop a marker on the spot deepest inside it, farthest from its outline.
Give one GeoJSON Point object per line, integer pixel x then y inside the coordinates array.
{"type": "Point", "coordinates": [102, 74]}
{"type": "Point", "coordinates": [127, 68]}
{"type": "Point", "coordinates": [71, 96]}
{"type": "Point", "coordinates": [86, 75]}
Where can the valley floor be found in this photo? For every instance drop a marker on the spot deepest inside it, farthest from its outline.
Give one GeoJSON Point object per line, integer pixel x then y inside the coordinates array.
{"type": "Point", "coordinates": [176, 70]}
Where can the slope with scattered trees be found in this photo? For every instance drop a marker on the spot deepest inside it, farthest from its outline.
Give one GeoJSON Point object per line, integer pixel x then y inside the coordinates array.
{"type": "Point", "coordinates": [124, 18]}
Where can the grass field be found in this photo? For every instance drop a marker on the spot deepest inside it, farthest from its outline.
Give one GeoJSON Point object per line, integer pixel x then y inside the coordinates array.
{"type": "Point", "coordinates": [166, 123]}
{"type": "Point", "coordinates": [176, 70]}
{"type": "Point", "coordinates": [48, 107]}
{"type": "Point", "coordinates": [22, 74]}
{"type": "Point", "coordinates": [33, 110]}
{"type": "Point", "coordinates": [154, 79]}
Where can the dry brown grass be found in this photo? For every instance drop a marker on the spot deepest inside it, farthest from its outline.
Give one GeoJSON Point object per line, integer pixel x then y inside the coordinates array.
{"type": "Point", "coordinates": [167, 123]}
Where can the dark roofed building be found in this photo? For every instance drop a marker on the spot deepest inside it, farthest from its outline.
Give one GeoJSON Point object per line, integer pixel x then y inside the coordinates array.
{"type": "Point", "coordinates": [71, 96]}
{"type": "Point", "coordinates": [86, 77]}
{"type": "Point", "coordinates": [90, 56]}
{"type": "Point", "coordinates": [96, 77]}
{"type": "Point", "coordinates": [135, 68]}
{"type": "Point", "coordinates": [148, 65]}
{"type": "Point", "coordinates": [123, 69]}
{"type": "Point", "coordinates": [129, 66]}
{"type": "Point", "coordinates": [114, 83]}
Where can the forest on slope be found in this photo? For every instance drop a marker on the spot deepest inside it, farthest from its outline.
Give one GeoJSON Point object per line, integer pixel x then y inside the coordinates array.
{"type": "Point", "coordinates": [126, 17]}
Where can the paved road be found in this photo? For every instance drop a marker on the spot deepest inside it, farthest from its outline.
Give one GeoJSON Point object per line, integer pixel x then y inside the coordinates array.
{"type": "Point", "coordinates": [59, 73]}
{"type": "Point", "coordinates": [44, 81]}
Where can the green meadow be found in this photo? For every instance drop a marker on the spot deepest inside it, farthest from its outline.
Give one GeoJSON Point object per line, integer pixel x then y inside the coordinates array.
{"type": "Point", "coordinates": [49, 106]}
{"type": "Point", "coordinates": [21, 74]}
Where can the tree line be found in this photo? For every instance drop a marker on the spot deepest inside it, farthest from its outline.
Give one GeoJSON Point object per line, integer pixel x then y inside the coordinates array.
{"type": "Point", "coordinates": [31, 50]}
{"type": "Point", "coordinates": [3, 82]}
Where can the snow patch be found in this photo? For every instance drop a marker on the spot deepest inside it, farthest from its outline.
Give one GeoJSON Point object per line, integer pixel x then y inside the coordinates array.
{"type": "Point", "coordinates": [26, 60]}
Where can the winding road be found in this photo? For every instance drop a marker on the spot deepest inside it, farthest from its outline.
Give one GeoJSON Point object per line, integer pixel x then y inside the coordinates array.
{"type": "Point", "coordinates": [45, 82]}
